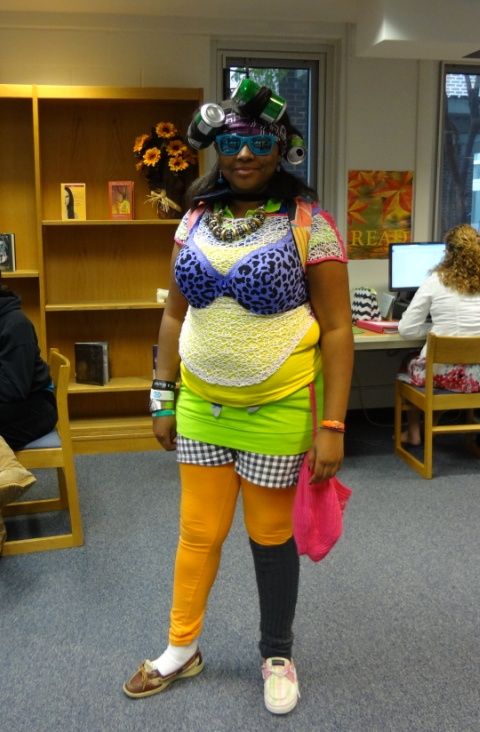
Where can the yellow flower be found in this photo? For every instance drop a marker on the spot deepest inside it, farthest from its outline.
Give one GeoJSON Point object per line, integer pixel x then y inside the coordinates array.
{"type": "Point", "coordinates": [177, 163]}
{"type": "Point", "coordinates": [139, 142]}
{"type": "Point", "coordinates": [152, 156]}
{"type": "Point", "coordinates": [165, 129]}
{"type": "Point", "coordinates": [176, 147]}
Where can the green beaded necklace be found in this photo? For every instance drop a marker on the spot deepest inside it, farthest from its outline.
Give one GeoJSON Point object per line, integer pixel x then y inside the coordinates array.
{"type": "Point", "coordinates": [226, 228]}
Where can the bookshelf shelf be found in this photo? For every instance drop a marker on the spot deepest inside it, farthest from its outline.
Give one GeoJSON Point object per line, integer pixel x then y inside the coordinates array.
{"type": "Point", "coordinates": [113, 434]}
{"type": "Point", "coordinates": [119, 384]}
{"type": "Point", "coordinates": [111, 222]}
{"type": "Point", "coordinates": [20, 274]}
{"type": "Point", "coordinates": [92, 280]}
{"type": "Point", "coordinates": [78, 306]}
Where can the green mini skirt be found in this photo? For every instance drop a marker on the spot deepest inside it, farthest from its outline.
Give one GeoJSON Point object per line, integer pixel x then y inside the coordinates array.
{"type": "Point", "coordinates": [283, 427]}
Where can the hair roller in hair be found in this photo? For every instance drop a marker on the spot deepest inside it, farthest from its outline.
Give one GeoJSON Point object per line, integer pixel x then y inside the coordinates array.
{"type": "Point", "coordinates": [205, 125]}
{"type": "Point", "coordinates": [259, 101]}
{"type": "Point", "coordinates": [296, 150]}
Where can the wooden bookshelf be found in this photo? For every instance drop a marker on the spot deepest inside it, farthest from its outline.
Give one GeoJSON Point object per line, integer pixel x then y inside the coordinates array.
{"type": "Point", "coordinates": [94, 279]}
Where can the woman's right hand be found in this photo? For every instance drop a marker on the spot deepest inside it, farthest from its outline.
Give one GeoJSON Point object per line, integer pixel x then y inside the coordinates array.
{"type": "Point", "coordinates": [165, 430]}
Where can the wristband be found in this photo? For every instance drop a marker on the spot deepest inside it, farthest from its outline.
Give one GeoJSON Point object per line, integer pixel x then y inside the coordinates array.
{"type": "Point", "coordinates": [161, 384]}
{"type": "Point", "coordinates": [156, 404]}
{"type": "Point", "coordinates": [163, 413]}
{"type": "Point", "coordinates": [168, 395]}
{"type": "Point", "coordinates": [332, 424]}
{"type": "Point", "coordinates": [161, 399]}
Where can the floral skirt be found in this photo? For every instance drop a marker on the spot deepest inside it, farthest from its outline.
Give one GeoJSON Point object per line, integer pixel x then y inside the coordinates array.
{"type": "Point", "coordinates": [463, 378]}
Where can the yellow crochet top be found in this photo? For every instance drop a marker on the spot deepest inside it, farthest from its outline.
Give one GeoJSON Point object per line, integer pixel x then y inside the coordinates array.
{"type": "Point", "coordinates": [234, 357]}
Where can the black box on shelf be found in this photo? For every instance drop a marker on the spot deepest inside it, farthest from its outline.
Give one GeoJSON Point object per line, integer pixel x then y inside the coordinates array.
{"type": "Point", "coordinates": [91, 362]}
{"type": "Point", "coordinates": [7, 252]}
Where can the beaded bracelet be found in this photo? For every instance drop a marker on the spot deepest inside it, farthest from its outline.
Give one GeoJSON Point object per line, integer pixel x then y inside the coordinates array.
{"type": "Point", "coordinates": [332, 424]}
{"type": "Point", "coordinates": [163, 413]}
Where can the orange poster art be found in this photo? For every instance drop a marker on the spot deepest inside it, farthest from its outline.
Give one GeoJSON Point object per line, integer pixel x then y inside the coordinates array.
{"type": "Point", "coordinates": [379, 211]}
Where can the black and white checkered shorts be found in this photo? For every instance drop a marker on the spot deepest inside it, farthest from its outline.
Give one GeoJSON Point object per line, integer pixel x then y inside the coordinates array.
{"type": "Point", "coordinates": [269, 471]}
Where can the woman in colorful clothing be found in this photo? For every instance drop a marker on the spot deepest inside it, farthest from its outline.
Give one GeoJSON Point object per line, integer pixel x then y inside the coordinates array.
{"type": "Point", "coordinates": [258, 309]}
{"type": "Point", "coordinates": [451, 295]}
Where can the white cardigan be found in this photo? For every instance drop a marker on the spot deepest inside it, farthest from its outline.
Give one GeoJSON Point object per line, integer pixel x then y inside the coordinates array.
{"type": "Point", "coordinates": [452, 313]}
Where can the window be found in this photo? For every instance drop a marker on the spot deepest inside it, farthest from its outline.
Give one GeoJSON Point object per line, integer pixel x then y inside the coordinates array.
{"type": "Point", "coordinates": [458, 199]}
{"type": "Point", "coordinates": [304, 81]}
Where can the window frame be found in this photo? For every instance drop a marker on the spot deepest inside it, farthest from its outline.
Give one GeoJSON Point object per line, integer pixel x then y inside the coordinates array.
{"type": "Point", "coordinates": [321, 144]}
{"type": "Point", "coordinates": [446, 68]}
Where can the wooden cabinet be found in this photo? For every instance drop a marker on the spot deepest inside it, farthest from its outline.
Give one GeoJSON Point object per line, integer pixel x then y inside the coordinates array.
{"type": "Point", "coordinates": [93, 279]}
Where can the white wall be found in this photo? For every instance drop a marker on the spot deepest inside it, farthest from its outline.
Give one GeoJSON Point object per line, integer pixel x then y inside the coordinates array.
{"type": "Point", "coordinates": [118, 57]}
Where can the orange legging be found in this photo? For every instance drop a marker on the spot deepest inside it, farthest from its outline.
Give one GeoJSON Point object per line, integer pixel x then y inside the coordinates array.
{"type": "Point", "coordinates": [208, 500]}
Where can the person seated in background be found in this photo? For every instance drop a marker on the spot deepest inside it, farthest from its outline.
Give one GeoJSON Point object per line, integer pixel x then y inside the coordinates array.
{"type": "Point", "coordinates": [28, 408]}
{"type": "Point", "coordinates": [451, 295]}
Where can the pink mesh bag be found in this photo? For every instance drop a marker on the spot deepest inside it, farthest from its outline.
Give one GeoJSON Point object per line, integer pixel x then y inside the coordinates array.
{"type": "Point", "coordinates": [318, 508]}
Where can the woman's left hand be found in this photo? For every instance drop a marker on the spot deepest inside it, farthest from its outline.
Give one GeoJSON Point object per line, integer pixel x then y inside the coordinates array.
{"type": "Point", "coordinates": [326, 455]}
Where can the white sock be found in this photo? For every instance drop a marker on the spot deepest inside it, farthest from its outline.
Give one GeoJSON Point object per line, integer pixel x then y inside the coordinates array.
{"type": "Point", "coordinates": [174, 657]}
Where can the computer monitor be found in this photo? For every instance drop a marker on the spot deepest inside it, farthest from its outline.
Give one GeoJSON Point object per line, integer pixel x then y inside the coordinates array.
{"type": "Point", "coordinates": [409, 264]}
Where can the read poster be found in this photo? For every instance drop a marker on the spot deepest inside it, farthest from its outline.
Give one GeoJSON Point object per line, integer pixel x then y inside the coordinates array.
{"type": "Point", "coordinates": [379, 211]}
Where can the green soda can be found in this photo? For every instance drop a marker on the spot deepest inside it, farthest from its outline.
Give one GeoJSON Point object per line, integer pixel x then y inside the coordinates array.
{"type": "Point", "coordinates": [249, 93]}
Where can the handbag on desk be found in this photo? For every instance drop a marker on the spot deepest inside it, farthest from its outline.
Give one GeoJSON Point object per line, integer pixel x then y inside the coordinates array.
{"type": "Point", "coordinates": [317, 507]}
{"type": "Point", "coordinates": [365, 304]}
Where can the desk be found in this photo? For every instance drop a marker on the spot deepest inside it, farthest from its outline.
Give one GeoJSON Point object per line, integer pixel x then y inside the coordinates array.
{"type": "Point", "coordinates": [377, 362]}
{"type": "Point", "coordinates": [368, 340]}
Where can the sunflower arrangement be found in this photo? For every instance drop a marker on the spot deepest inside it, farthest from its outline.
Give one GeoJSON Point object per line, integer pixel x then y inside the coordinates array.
{"type": "Point", "coordinates": [167, 161]}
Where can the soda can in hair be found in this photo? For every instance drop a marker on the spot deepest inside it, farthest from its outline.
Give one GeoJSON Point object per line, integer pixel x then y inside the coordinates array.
{"type": "Point", "coordinates": [296, 150]}
{"type": "Point", "coordinates": [259, 101]}
{"type": "Point", "coordinates": [205, 125]}
{"type": "Point", "coordinates": [209, 118]}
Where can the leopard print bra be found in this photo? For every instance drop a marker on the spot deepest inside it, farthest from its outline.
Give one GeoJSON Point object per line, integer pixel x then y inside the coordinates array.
{"type": "Point", "coordinates": [266, 281]}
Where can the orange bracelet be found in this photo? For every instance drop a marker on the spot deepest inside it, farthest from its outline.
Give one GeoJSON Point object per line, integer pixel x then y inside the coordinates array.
{"type": "Point", "coordinates": [332, 424]}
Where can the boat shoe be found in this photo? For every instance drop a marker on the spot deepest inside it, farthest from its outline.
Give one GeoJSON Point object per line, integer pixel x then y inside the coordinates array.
{"type": "Point", "coordinates": [147, 680]}
{"type": "Point", "coordinates": [281, 686]}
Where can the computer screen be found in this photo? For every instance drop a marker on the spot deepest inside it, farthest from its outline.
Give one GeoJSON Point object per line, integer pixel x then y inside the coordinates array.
{"type": "Point", "coordinates": [410, 264]}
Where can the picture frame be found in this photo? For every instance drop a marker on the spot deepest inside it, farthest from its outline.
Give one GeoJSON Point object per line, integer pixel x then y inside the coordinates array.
{"type": "Point", "coordinates": [121, 199]}
{"type": "Point", "coordinates": [7, 253]}
{"type": "Point", "coordinates": [73, 201]}
{"type": "Point", "coordinates": [379, 211]}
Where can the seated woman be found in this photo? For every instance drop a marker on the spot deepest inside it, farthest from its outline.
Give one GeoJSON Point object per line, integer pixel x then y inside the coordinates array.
{"type": "Point", "coordinates": [451, 295]}
{"type": "Point", "coordinates": [27, 403]}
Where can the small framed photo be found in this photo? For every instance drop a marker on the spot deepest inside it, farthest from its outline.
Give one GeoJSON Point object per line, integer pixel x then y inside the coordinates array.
{"type": "Point", "coordinates": [120, 197]}
{"type": "Point", "coordinates": [73, 201]}
{"type": "Point", "coordinates": [7, 252]}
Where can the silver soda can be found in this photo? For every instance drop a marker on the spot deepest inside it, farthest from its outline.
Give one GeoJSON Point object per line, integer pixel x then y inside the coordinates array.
{"type": "Point", "coordinates": [209, 118]}
{"type": "Point", "coordinates": [296, 150]}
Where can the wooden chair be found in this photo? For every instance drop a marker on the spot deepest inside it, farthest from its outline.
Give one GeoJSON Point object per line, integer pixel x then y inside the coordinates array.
{"type": "Point", "coordinates": [440, 349]}
{"type": "Point", "coordinates": [51, 451]}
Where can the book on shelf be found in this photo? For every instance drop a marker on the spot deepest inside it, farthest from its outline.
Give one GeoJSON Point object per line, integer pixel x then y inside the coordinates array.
{"type": "Point", "coordinates": [73, 201]}
{"type": "Point", "coordinates": [120, 198]}
{"type": "Point", "coordinates": [7, 252]}
{"type": "Point", "coordinates": [91, 362]}
{"type": "Point", "coordinates": [379, 326]}
{"type": "Point", "coordinates": [154, 360]}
